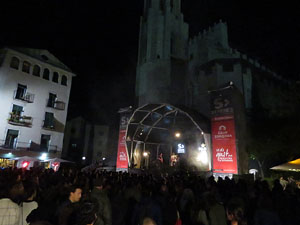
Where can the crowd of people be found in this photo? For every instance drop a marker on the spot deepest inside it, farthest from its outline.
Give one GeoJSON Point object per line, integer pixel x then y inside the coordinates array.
{"type": "Point", "coordinates": [72, 197]}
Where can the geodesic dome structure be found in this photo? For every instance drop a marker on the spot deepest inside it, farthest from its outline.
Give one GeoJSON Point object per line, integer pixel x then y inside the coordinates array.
{"type": "Point", "coordinates": [156, 125]}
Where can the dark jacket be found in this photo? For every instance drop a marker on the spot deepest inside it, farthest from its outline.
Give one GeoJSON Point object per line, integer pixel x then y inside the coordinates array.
{"type": "Point", "coordinates": [64, 212]}
{"type": "Point", "coordinates": [104, 210]}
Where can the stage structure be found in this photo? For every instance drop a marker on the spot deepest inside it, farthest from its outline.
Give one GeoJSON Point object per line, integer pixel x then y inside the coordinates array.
{"type": "Point", "coordinates": [169, 135]}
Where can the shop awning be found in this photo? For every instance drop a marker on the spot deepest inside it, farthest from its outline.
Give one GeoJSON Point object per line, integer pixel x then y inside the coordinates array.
{"type": "Point", "coordinates": [293, 165]}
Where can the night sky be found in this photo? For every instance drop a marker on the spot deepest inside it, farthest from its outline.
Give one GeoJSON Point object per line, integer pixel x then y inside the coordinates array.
{"type": "Point", "coordinates": [98, 40]}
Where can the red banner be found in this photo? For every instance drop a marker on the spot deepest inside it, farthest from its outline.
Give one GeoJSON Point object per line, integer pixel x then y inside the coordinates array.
{"type": "Point", "coordinates": [224, 146]}
{"type": "Point", "coordinates": [122, 158]}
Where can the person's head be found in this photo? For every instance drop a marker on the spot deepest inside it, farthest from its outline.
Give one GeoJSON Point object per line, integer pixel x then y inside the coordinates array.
{"type": "Point", "coordinates": [29, 190]}
{"type": "Point", "coordinates": [75, 193]}
{"type": "Point", "coordinates": [235, 214]}
{"type": "Point", "coordinates": [17, 192]}
{"type": "Point", "coordinates": [148, 221]}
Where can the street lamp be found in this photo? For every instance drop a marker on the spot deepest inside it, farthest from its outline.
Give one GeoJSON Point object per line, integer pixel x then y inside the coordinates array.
{"type": "Point", "coordinates": [177, 135]}
{"type": "Point", "coordinates": [43, 156]}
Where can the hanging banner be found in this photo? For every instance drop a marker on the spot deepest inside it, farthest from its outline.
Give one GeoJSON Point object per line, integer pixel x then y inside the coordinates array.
{"type": "Point", "coordinates": [224, 155]}
{"type": "Point", "coordinates": [122, 156]}
{"type": "Point", "coordinates": [224, 146]}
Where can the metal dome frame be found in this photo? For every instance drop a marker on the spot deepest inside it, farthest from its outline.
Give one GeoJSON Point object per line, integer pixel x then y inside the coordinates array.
{"type": "Point", "coordinates": [141, 125]}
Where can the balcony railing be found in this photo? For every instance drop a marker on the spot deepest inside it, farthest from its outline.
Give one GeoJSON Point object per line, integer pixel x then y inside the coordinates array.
{"type": "Point", "coordinates": [29, 146]}
{"type": "Point", "coordinates": [19, 120]}
{"type": "Point", "coordinates": [28, 97]}
{"type": "Point", "coordinates": [60, 105]}
{"type": "Point", "coordinates": [49, 126]}
{"type": "Point", "coordinates": [17, 145]}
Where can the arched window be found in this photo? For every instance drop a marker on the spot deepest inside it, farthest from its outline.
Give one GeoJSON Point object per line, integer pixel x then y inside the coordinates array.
{"type": "Point", "coordinates": [46, 74]}
{"type": "Point", "coordinates": [14, 63]}
{"type": "Point", "coordinates": [64, 80]}
{"type": "Point", "coordinates": [36, 71]}
{"type": "Point", "coordinates": [26, 67]}
{"type": "Point", "coordinates": [55, 77]}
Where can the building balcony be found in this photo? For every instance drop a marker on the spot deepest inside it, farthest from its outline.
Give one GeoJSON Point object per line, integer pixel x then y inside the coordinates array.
{"type": "Point", "coordinates": [17, 120]}
{"type": "Point", "coordinates": [48, 126]}
{"type": "Point", "coordinates": [27, 97]}
{"type": "Point", "coordinates": [60, 105]}
{"type": "Point", "coordinates": [28, 146]}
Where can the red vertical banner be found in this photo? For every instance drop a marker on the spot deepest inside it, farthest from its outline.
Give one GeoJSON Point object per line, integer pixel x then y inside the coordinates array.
{"type": "Point", "coordinates": [224, 146]}
{"type": "Point", "coordinates": [122, 156]}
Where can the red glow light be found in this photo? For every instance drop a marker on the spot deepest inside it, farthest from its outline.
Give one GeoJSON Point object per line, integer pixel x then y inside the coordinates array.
{"type": "Point", "coordinates": [25, 164]}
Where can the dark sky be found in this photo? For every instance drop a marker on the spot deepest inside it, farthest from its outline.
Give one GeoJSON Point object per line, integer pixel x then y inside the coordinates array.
{"type": "Point", "coordinates": [98, 40]}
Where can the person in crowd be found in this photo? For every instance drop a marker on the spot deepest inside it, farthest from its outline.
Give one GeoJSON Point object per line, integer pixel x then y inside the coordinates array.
{"type": "Point", "coordinates": [86, 214]}
{"type": "Point", "coordinates": [99, 194]}
{"type": "Point", "coordinates": [283, 182]}
{"type": "Point", "coordinates": [70, 205]}
{"type": "Point", "coordinates": [148, 207]}
{"type": "Point", "coordinates": [135, 197]}
{"type": "Point", "coordinates": [167, 205]}
{"type": "Point", "coordinates": [148, 221]}
{"type": "Point", "coordinates": [265, 214]}
{"type": "Point", "coordinates": [216, 211]}
{"type": "Point", "coordinates": [29, 202]}
{"type": "Point", "coordinates": [235, 214]}
{"type": "Point", "coordinates": [9, 210]}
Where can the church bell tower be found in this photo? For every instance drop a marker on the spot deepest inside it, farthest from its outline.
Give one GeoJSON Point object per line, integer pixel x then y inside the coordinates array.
{"type": "Point", "coordinates": [163, 43]}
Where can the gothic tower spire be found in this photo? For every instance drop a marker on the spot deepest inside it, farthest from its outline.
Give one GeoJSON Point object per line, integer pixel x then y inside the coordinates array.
{"type": "Point", "coordinates": [163, 37]}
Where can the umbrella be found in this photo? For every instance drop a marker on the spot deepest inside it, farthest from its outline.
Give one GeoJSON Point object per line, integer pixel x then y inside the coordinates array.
{"type": "Point", "coordinates": [293, 165]}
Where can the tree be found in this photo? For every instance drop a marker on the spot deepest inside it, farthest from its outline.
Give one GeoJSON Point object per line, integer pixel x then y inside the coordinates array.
{"type": "Point", "coordinates": [273, 141]}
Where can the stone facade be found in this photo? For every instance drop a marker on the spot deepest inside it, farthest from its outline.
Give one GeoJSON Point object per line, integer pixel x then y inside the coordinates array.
{"type": "Point", "coordinates": [176, 69]}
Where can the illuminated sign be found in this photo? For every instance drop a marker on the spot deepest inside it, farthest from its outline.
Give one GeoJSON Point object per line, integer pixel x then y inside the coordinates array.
{"type": "Point", "coordinates": [180, 148]}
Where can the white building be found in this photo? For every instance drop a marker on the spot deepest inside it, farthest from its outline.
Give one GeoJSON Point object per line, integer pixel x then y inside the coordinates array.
{"type": "Point", "coordinates": [34, 94]}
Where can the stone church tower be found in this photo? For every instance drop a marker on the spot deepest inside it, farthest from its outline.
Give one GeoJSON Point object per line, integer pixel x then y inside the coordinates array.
{"type": "Point", "coordinates": [162, 57]}
{"type": "Point", "coordinates": [175, 69]}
